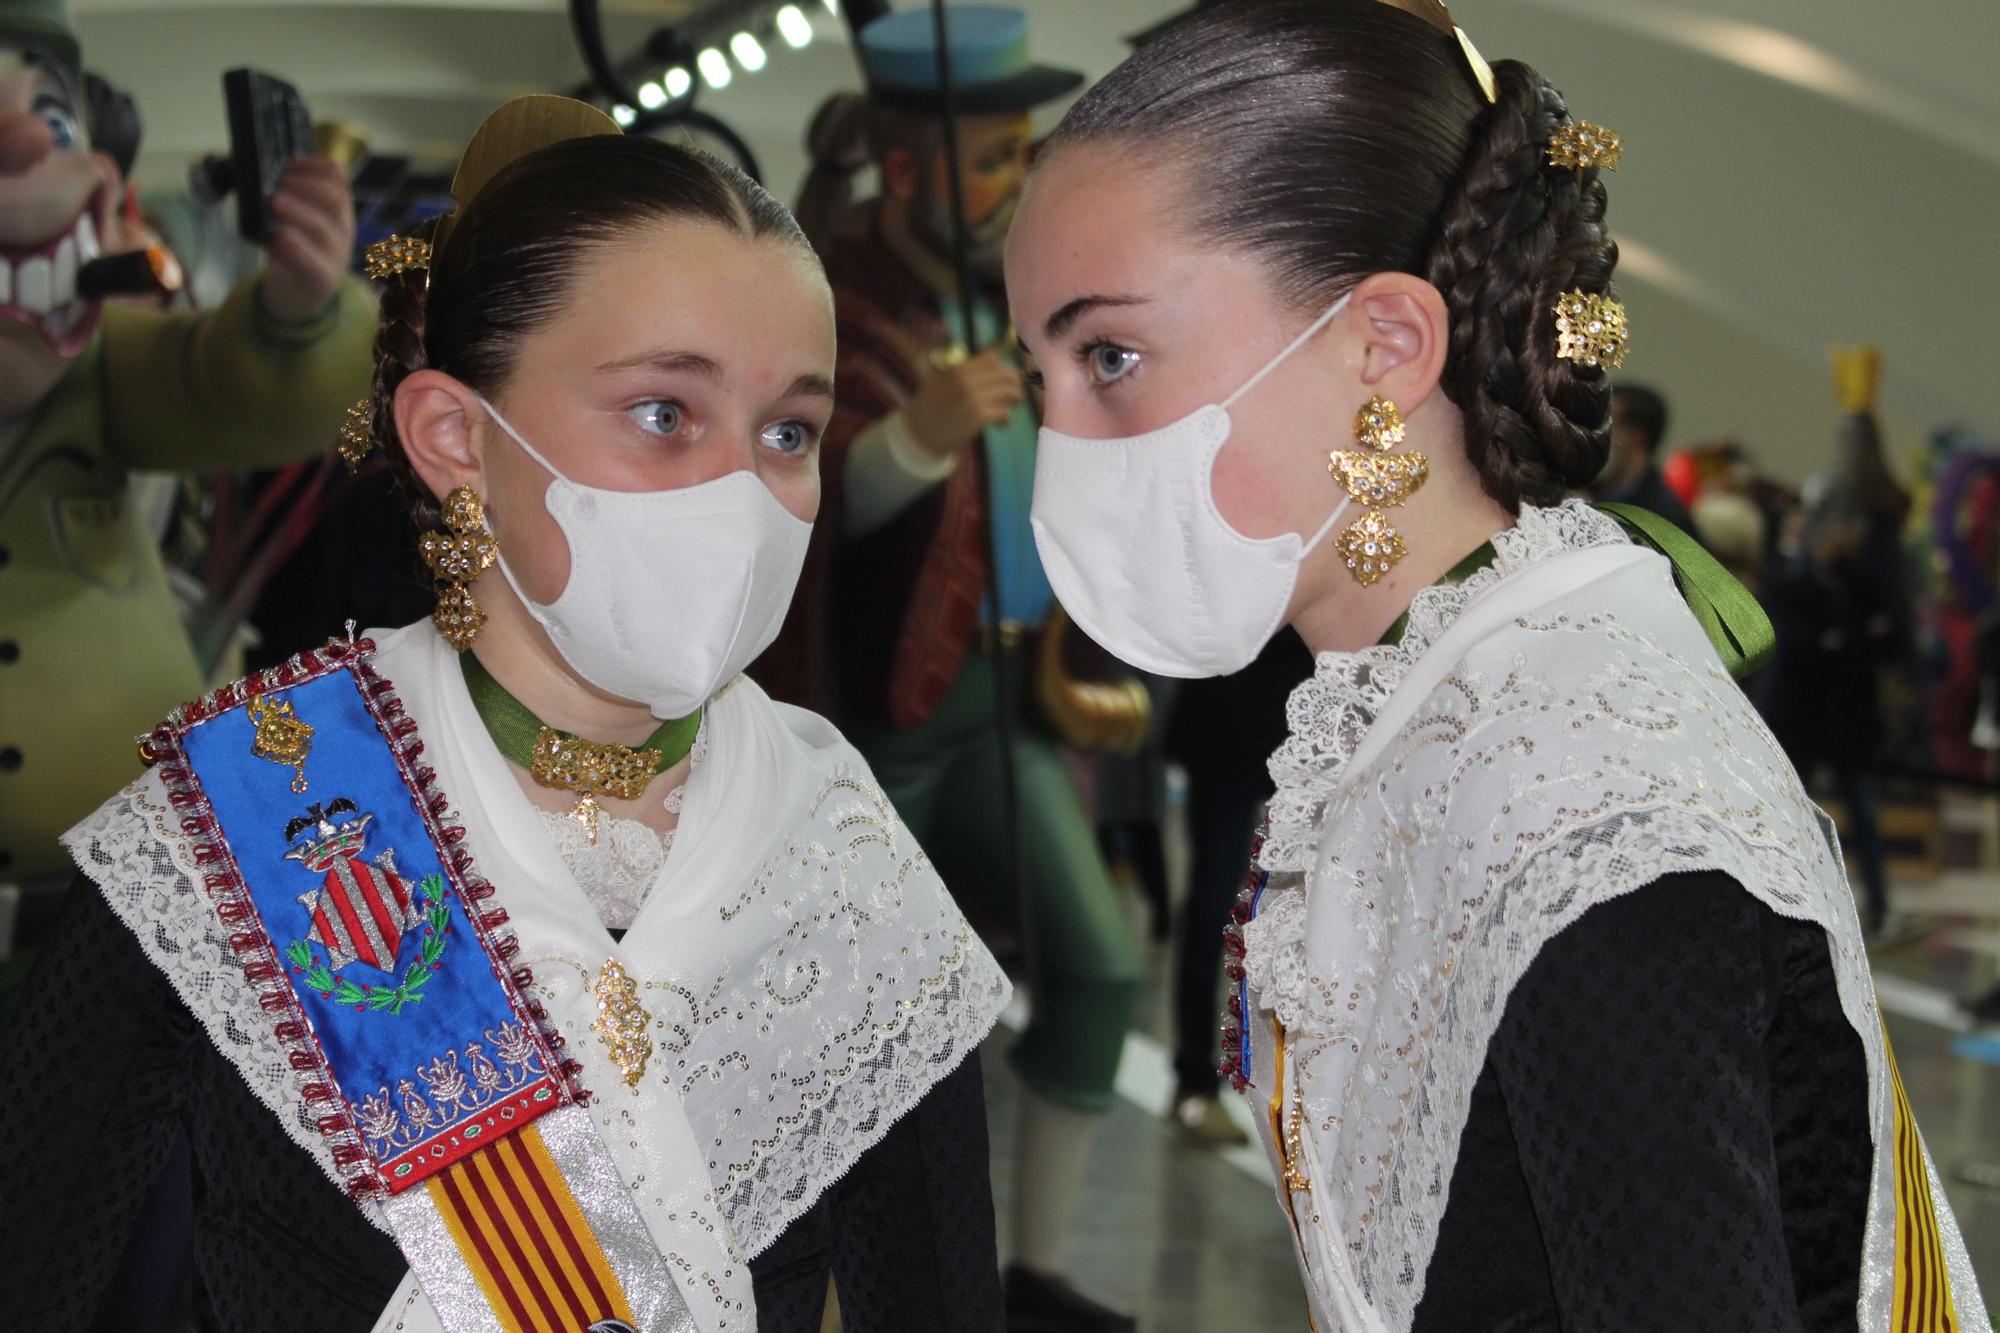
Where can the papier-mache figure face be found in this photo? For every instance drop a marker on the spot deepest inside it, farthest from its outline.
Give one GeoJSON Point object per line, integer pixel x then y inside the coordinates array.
{"type": "Point", "coordinates": [56, 203]}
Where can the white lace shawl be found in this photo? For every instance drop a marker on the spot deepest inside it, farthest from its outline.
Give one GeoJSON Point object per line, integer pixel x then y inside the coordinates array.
{"type": "Point", "coordinates": [807, 974]}
{"type": "Point", "coordinates": [1549, 734]}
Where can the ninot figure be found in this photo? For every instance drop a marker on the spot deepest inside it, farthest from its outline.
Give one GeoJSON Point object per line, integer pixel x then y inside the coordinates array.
{"type": "Point", "coordinates": [94, 650]}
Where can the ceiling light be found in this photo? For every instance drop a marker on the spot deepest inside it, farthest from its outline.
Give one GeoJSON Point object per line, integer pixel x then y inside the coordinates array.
{"type": "Point", "coordinates": [795, 27]}
{"type": "Point", "coordinates": [678, 82]}
{"type": "Point", "coordinates": [748, 51]}
{"type": "Point", "coordinates": [714, 67]}
{"type": "Point", "coordinates": [624, 115]}
{"type": "Point", "coordinates": [652, 96]}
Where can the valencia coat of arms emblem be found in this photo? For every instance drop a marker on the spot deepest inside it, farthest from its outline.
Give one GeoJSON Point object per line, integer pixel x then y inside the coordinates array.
{"type": "Point", "coordinates": [361, 911]}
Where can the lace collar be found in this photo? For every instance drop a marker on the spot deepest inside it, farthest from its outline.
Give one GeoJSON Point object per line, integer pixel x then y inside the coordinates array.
{"type": "Point", "coordinates": [1330, 714]}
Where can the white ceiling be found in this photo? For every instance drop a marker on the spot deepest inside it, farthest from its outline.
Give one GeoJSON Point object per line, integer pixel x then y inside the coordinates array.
{"type": "Point", "coordinates": [1798, 173]}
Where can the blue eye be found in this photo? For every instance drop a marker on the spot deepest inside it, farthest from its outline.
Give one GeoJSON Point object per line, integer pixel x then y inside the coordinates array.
{"type": "Point", "coordinates": [790, 437]}
{"type": "Point", "coordinates": [1109, 362]}
{"type": "Point", "coordinates": [659, 417]}
{"type": "Point", "coordinates": [62, 127]}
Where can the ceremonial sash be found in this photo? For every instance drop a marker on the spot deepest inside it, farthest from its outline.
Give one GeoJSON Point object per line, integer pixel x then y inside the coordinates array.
{"type": "Point", "coordinates": [383, 960]}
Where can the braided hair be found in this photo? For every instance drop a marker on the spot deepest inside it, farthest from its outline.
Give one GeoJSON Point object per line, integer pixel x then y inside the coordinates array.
{"type": "Point", "coordinates": [1334, 139]}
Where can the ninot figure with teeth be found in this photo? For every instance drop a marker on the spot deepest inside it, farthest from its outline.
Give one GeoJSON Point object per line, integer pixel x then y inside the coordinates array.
{"type": "Point", "coordinates": [92, 649]}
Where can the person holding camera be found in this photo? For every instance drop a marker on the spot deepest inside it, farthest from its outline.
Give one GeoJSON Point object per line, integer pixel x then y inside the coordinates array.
{"type": "Point", "coordinates": [94, 649]}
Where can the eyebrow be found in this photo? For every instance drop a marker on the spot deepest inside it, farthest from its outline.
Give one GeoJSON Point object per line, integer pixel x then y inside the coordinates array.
{"type": "Point", "coordinates": [695, 363]}
{"type": "Point", "coordinates": [1058, 323]}
{"type": "Point", "coordinates": [691, 362]}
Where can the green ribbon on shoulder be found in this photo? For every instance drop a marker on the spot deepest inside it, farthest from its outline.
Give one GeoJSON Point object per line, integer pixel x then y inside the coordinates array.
{"type": "Point", "coordinates": [1728, 612]}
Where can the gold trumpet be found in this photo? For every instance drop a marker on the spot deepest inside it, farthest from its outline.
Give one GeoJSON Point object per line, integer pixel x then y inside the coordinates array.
{"type": "Point", "coordinates": [1097, 717]}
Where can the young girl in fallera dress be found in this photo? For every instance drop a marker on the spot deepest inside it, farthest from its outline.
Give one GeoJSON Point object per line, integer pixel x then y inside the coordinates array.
{"type": "Point", "coordinates": [602, 381]}
{"type": "Point", "coordinates": [1552, 986]}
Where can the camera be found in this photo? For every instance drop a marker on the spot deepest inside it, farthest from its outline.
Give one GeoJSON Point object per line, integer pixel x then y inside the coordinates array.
{"type": "Point", "coordinates": [268, 127]}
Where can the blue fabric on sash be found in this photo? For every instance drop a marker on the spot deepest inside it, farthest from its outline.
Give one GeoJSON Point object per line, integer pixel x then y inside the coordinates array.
{"type": "Point", "coordinates": [389, 1054]}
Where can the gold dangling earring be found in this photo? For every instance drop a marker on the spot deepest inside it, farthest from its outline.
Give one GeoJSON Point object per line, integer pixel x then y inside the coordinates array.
{"type": "Point", "coordinates": [460, 554]}
{"type": "Point", "coordinates": [1379, 480]}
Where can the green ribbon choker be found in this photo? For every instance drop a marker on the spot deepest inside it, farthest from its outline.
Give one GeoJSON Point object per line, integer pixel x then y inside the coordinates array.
{"type": "Point", "coordinates": [571, 763]}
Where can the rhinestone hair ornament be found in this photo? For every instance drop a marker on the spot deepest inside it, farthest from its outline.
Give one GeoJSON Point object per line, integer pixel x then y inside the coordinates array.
{"type": "Point", "coordinates": [1582, 146]}
{"type": "Point", "coordinates": [513, 131]}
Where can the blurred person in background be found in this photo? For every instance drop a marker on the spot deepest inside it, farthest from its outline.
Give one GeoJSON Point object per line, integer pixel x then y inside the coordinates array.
{"type": "Point", "coordinates": [929, 467]}
{"type": "Point", "coordinates": [1632, 473]}
{"type": "Point", "coordinates": [1840, 603]}
{"type": "Point", "coordinates": [94, 648]}
{"type": "Point", "coordinates": [1130, 804]}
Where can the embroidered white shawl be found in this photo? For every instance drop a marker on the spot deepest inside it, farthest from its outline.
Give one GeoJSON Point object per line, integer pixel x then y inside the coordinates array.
{"type": "Point", "coordinates": [808, 977]}
{"type": "Point", "coordinates": [1548, 735]}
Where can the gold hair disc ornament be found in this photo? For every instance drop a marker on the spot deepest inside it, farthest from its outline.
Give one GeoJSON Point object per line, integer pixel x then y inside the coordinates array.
{"type": "Point", "coordinates": [1591, 330]}
{"type": "Point", "coordinates": [456, 557]}
{"type": "Point", "coordinates": [1581, 145]}
{"type": "Point", "coordinates": [357, 434]}
{"type": "Point", "coordinates": [397, 254]}
{"type": "Point", "coordinates": [518, 128]}
{"type": "Point", "coordinates": [1380, 480]}
{"type": "Point", "coordinates": [1434, 13]}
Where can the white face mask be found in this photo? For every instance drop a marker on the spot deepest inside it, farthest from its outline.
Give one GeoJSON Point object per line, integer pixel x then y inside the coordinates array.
{"type": "Point", "coordinates": [670, 593]}
{"type": "Point", "coordinates": [1141, 558]}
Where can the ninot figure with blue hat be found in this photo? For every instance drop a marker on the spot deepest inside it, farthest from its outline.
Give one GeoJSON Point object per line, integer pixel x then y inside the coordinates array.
{"type": "Point", "coordinates": [924, 603]}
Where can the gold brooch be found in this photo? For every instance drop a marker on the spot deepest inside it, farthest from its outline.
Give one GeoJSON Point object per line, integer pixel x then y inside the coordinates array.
{"type": "Point", "coordinates": [1582, 145]}
{"type": "Point", "coordinates": [357, 434]}
{"type": "Point", "coordinates": [281, 737]}
{"type": "Point", "coordinates": [397, 254]}
{"type": "Point", "coordinates": [1591, 329]}
{"type": "Point", "coordinates": [622, 1022]}
{"type": "Point", "coordinates": [590, 767]}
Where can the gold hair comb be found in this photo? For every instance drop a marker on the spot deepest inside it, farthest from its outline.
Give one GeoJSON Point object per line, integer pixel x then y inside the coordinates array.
{"type": "Point", "coordinates": [397, 254]}
{"type": "Point", "coordinates": [1591, 329]}
{"type": "Point", "coordinates": [1434, 13]}
{"type": "Point", "coordinates": [1582, 145]}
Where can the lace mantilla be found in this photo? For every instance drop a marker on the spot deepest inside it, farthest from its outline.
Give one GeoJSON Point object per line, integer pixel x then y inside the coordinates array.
{"type": "Point", "coordinates": [1579, 750]}
{"type": "Point", "coordinates": [618, 871]}
{"type": "Point", "coordinates": [132, 848]}
{"type": "Point", "coordinates": [1331, 712]}
{"type": "Point", "coordinates": [793, 1064]}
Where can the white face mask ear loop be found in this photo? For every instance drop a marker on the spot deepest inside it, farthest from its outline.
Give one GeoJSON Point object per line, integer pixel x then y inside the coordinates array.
{"type": "Point", "coordinates": [515, 435]}
{"type": "Point", "coordinates": [1296, 343]}
{"type": "Point", "coordinates": [1327, 526]}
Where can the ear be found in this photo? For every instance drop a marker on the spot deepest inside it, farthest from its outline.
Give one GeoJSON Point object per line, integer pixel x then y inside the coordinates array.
{"type": "Point", "coordinates": [901, 175]}
{"type": "Point", "coordinates": [1405, 334]}
{"type": "Point", "coordinates": [435, 416]}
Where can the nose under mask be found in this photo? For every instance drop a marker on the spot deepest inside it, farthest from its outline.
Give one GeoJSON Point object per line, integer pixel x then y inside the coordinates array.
{"type": "Point", "coordinates": [1141, 558]}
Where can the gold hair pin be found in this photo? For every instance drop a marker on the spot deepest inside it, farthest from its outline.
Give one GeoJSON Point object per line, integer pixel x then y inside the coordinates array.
{"type": "Point", "coordinates": [1591, 329]}
{"type": "Point", "coordinates": [357, 434]}
{"type": "Point", "coordinates": [1582, 145]}
{"type": "Point", "coordinates": [397, 254]}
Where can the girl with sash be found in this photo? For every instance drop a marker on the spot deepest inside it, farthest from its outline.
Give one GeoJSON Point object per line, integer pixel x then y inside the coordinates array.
{"type": "Point", "coordinates": [1551, 987]}
{"type": "Point", "coordinates": [529, 969]}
